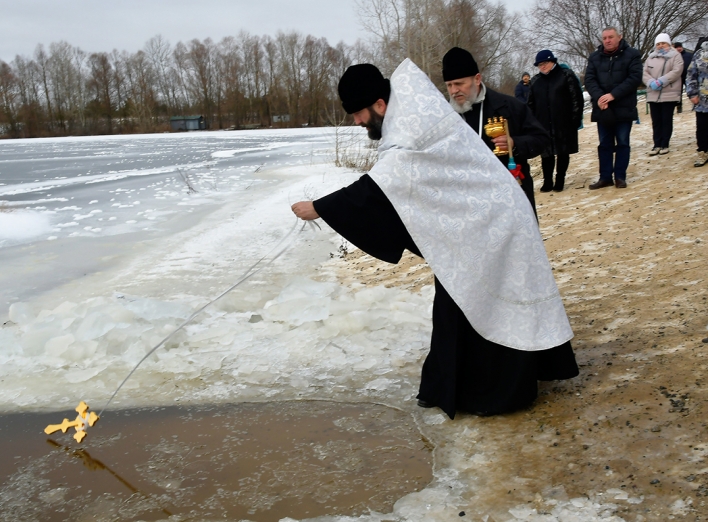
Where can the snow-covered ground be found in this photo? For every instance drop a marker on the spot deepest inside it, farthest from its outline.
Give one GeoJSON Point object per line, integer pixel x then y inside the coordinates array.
{"type": "Point", "coordinates": [108, 252]}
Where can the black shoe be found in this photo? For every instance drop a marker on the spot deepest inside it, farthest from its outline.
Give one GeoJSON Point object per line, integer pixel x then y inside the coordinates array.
{"type": "Point", "coordinates": [560, 183]}
{"type": "Point", "coordinates": [601, 183]}
{"type": "Point", "coordinates": [620, 183]}
{"type": "Point", "coordinates": [424, 404]}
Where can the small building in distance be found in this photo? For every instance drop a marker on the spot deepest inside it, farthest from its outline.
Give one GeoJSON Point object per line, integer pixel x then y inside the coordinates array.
{"type": "Point", "coordinates": [187, 123]}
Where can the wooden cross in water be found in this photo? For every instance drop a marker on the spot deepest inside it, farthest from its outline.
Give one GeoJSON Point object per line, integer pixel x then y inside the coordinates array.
{"type": "Point", "coordinates": [83, 420]}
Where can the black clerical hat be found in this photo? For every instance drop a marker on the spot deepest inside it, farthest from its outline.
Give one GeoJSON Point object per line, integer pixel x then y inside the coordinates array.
{"type": "Point", "coordinates": [361, 86]}
{"type": "Point", "coordinates": [458, 63]}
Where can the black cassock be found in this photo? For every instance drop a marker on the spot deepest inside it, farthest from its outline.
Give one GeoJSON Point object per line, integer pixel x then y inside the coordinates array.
{"type": "Point", "coordinates": [463, 371]}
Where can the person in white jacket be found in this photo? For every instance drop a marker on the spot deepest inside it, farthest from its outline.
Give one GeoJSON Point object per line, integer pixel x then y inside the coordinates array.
{"type": "Point", "coordinates": [662, 76]}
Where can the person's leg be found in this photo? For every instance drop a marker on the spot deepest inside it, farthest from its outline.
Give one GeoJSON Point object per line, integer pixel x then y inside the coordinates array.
{"type": "Point", "coordinates": [622, 132]}
{"type": "Point", "coordinates": [701, 138]}
{"type": "Point", "coordinates": [561, 169]}
{"type": "Point", "coordinates": [605, 151]}
{"type": "Point", "coordinates": [667, 123]}
{"type": "Point", "coordinates": [547, 166]}
{"type": "Point", "coordinates": [702, 131]}
{"type": "Point", "coordinates": [656, 117]}
{"type": "Point", "coordinates": [679, 105]}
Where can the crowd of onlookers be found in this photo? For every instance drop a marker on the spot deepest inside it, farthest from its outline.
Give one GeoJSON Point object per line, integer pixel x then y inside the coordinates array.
{"type": "Point", "coordinates": [613, 76]}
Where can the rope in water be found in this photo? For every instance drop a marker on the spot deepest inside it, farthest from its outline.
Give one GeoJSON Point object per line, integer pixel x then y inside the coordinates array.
{"type": "Point", "coordinates": [280, 248]}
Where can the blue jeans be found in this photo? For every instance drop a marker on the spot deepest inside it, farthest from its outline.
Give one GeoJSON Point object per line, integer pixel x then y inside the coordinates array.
{"type": "Point", "coordinates": [613, 151]}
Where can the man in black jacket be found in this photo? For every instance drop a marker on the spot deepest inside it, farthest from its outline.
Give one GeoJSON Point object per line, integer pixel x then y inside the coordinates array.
{"type": "Point", "coordinates": [521, 92]}
{"type": "Point", "coordinates": [613, 74]}
{"type": "Point", "coordinates": [687, 57]}
{"type": "Point", "coordinates": [477, 104]}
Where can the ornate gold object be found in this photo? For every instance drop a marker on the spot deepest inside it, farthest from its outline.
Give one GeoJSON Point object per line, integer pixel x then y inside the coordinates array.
{"type": "Point", "coordinates": [496, 127]}
{"type": "Point", "coordinates": [83, 420]}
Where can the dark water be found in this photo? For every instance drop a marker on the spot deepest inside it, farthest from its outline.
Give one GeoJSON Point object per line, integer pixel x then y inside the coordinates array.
{"type": "Point", "coordinates": [250, 461]}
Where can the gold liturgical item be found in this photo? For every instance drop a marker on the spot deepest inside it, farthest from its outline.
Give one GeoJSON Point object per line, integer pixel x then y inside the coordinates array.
{"type": "Point", "coordinates": [494, 128]}
{"type": "Point", "coordinates": [83, 420]}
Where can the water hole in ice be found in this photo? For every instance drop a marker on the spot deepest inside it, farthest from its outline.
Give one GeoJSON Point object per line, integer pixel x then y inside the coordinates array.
{"type": "Point", "coordinates": [247, 461]}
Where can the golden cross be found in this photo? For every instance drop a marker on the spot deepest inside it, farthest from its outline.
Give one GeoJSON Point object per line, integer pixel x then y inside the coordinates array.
{"type": "Point", "coordinates": [82, 421]}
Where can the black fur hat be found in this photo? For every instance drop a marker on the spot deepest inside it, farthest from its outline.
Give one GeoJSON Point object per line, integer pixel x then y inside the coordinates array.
{"type": "Point", "coordinates": [361, 86]}
{"type": "Point", "coordinates": [458, 63]}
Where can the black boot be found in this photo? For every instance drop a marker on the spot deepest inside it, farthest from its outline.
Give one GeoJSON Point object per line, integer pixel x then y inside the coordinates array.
{"type": "Point", "coordinates": [547, 183]}
{"type": "Point", "coordinates": [560, 183]}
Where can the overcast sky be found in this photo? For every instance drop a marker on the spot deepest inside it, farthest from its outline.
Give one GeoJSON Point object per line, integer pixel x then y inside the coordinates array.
{"type": "Point", "coordinates": [101, 26]}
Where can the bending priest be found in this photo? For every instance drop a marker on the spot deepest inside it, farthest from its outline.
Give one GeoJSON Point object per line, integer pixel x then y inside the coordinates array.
{"type": "Point", "coordinates": [499, 324]}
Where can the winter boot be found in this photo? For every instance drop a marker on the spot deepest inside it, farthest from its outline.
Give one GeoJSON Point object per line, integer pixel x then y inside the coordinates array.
{"type": "Point", "coordinates": [560, 183]}
{"type": "Point", "coordinates": [547, 183]}
{"type": "Point", "coordinates": [701, 160]}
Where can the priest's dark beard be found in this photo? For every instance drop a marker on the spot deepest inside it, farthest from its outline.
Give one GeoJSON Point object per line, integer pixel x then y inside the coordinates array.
{"type": "Point", "coordinates": [374, 126]}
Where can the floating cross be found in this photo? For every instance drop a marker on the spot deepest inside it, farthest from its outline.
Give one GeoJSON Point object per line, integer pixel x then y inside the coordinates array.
{"type": "Point", "coordinates": [81, 423]}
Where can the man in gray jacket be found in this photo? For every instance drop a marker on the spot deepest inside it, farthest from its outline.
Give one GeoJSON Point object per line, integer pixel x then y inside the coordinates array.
{"type": "Point", "coordinates": [613, 74]}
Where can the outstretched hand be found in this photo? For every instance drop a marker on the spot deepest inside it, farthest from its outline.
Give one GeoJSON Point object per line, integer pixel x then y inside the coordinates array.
{"type": "Point", "coordinates": [305, 210]}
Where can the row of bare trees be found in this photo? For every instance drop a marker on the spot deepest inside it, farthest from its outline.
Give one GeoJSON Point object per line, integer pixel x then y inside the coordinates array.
{"type": "Point", "coordinates": [238, 82]}
{"type": "Point", "coordinates": [290, 79]}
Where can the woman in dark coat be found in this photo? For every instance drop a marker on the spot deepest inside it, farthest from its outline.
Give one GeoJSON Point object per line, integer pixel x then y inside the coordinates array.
{"type": "Point", "coordinates": [557, 102]}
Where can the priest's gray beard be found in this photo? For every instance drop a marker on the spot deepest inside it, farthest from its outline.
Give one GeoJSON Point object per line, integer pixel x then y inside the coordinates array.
{"type": "Point", "coordinates": [470, 101]}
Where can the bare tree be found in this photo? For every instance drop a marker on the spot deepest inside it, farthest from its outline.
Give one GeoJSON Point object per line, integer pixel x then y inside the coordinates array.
{"type": "Point", "coordinates": [291, 47]}
{"type": "Point", "coordinates": [158, 53]}
{"type": "Point", "coordinates": [8, 98]}
{"type": "Point", "coordinates": [28, 89]}
{"type": "Point", "coordinates": [42, 60]}
{"type": "Point", "coordinates": [424, 30]}
{"type": "Point", "coordinates": [102, 89]}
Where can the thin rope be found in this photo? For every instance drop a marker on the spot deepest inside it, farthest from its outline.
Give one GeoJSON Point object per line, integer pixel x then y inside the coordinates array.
{"type": "Point", "coordinates": [246, 275]}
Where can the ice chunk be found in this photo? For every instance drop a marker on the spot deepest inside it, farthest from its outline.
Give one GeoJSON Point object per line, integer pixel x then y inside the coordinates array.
{"type": "Point", "coordinates": [94, 326]}
{"type": "Point", "coordinates": [301, 301]}
{"type": "Point", "coordinates": [34, 340]}
{"type": "Point", "coordinates": [23, 224]}
{"type": "Point", "coordinates": [21, 313]}
{"type": "Point", "coordinates": [58, 345]}
{"type": "Point", "coordinates": [76, 375]}
{"type": "Point", "coordinates": [151, 309]}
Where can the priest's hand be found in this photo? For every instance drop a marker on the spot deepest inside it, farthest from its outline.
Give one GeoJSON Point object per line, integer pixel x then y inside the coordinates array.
{"type": "Point", "coordinates": [305, 210]}
{"type": "Point", "coordinates": [503, 142]}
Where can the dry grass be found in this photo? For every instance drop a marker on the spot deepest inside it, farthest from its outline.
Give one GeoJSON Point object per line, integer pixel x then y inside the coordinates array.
{"type": "Point", "coordinates": [352, 151]}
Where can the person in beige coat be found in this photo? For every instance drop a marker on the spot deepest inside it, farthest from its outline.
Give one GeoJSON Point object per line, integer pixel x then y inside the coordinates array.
{"type": "Point", "coordinates": [662, 76]}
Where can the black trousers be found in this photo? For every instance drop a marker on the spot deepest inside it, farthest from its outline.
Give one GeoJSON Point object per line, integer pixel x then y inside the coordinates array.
{"type": "Point", "coordinates": [662, 122]}
{"type": "Point", "coordinates": [550, 163]}
{"type": "Point", "coordinates": [702, 131]}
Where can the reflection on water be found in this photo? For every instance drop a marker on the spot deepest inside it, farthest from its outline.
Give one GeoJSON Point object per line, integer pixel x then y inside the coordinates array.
{"type": "Point", "coordinates": [251, 461]}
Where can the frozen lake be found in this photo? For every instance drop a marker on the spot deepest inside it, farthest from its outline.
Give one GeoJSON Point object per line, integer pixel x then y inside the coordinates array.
{"type": "Point", "coordinates": [81, 193]}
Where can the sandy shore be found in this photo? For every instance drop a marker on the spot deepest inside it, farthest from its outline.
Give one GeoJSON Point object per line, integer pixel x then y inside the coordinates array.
{"type": "Point", "coordinates": [630, 431]}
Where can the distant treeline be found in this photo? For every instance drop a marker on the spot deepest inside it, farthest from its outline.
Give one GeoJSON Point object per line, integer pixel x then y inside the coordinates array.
{"type": "Point", "coordinates": [249, 81]}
